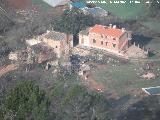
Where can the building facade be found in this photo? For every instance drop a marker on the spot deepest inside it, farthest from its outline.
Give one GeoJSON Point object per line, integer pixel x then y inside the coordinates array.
{"type": "Point", "coordinates": [108, 38]}
{"type": "Point", "coordinates": [60, 42]}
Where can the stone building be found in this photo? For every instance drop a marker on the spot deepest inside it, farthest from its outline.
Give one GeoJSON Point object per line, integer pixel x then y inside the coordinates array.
{"type": "Point", "coordinates": [60, 42]}
{"type": "Point", "coordinates": [108, 38]}
{"type": "Point", "coordinates": [20, 55]}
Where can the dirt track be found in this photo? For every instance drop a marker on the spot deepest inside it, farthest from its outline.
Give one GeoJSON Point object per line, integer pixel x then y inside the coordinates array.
{"type": "Point", "coordinates": [93, 84]}
{"type": "Point", "coordinates": [6, 69]}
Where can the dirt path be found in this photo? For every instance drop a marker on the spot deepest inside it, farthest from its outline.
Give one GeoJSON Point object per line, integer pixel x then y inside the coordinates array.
{"type": "Point", "coordinates": [90, 82]}
{"type": "Point", "coordinates": [93, 84]}
{"type": "Point", "coordinates": [6, 69]}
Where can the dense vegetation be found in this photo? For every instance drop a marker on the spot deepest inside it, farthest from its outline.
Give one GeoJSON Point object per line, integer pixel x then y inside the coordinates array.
{"type": "Point", "coordinates": [4, 49]}
{"type": "Point", "coordinates": [74, 21]}
{"type": "Point", "coordinates": [146, 109]}
{"type": "Point", "coordinates": [154, 6]}
{"type": "Point", "coordinates": [25, 101]}
{"type": "Point", "coordinates": [65, 99]}
{"type": "Point", "coordinates": [78, 104]}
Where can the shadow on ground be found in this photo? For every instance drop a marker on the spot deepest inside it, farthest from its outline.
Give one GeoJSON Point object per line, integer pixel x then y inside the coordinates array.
{"type": "Point", "coordinates": [141, 40]}
{"type": "Point", "coordinates": [146, 109]}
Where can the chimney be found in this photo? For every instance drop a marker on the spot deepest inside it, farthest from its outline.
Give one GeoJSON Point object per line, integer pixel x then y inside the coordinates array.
{"type": "Point", "coordinates": [67, 36]}
{"type": "Point", "coordinates": [147, 51]}
{"type": "Point", "coordinates": [123, 29]}
{"type": "Point", "coordinates": [38, 38]}
{"type": "Point", "coordinates": [114, 26]}
{"type": "Point", "coordinates": [143, 48]}
{"type": "Point", "coordinates": [110, 25]}
{"type": "Point", "coordinates": [48, 31]}
{"type": "Point", "coordinates": [134, 44]}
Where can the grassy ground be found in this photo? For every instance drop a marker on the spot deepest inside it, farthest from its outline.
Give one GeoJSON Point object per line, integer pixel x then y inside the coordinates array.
{"type": "Point", "coordinates": [153, 25]}
{"type": "Point", "coordinates": [132, 11]}
{"type": "Point", "coordinates": [125, 11]}
{"type": "Point", "coordinates": [122, 78]}
{"type": "Point", "coordinates": [154, 45]}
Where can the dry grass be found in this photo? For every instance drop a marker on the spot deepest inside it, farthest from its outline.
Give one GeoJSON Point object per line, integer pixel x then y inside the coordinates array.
{"type": "Point", "coordinates": [8, 68]}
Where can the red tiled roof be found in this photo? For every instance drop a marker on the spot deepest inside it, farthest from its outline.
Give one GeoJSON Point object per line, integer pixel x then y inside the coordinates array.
{"type": "Point", "coordinates": [113, 32]}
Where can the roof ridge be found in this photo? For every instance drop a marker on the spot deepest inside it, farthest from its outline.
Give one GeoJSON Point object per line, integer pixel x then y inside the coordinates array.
{"type": "Point", "coordinates": [108, 31]}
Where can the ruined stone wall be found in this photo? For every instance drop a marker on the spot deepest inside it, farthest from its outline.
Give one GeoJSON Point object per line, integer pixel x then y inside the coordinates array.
{"type": "Point", "coordinates": [57, 45]}
{"type": "Point", "coordinates": [123, 42]}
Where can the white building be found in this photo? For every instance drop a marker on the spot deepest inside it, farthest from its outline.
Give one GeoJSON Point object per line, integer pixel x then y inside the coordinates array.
{"type": "Point", "coordinates": [33, 41]}
{"type": "Point", "coordinates": [96, 11]}
{"type": "Point", "coordinates": [55, 3]}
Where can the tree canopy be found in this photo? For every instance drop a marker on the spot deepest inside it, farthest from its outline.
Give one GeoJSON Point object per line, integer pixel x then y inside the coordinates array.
{"type": "Point", "coordinates": [73, 21]}
{"type": "Point", "coordinates": [4, 49]}
{"type": "Point", "coordinates": [79, 104]}
{"type": "Point", "coordinates": [25, 101]}
{"type": "Point", "coordinates": [154, 6]}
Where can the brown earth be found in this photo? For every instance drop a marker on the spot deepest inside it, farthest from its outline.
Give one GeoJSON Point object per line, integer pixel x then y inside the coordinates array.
{"type": "Point", "coordinates": [6, 69]}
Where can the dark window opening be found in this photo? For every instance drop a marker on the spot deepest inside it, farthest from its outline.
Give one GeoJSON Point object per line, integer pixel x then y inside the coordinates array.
{"type": "Point", "coordinates": [101, 42]}
{"type": "Point", "coordinates": [114, 38]}
{"type": "Point", "coordinates": [106, 43]}
{"type": "Point", "coordinates": [67, 41]}
{"type": "Point", "coordinates": [82, 40]}
{"type": "Point", "coordinates": [94, 41]}
{"type": "Point", "coordinates": [114, 45]}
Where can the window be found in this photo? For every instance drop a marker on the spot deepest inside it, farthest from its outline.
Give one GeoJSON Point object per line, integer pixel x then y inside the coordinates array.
{"type": "Point", "coordinates": [106, 43]}
{"type": "Point", "coordinates": [106, 37]}
{"type": "Point", "coordinates": [114, 38]}
{"type": "Point", "coordinates": [67, 41]}
{"type": "Point", "coordinates": [101, 42]}
{"type": "Point", "coordinates": [82, 40]}
{"type": "Point", "coordinates": [56, 47]}
{"type": "Point", "coordinates": [94, 41]}
{"type": "Point", "coordinates": [114, 45]}
{"type": "Point", "coordinates": [101, 36]}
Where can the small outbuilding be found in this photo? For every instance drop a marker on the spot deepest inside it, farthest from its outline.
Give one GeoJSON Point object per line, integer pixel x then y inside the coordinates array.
{"type": "Point", "coordinates": [33, 41]}
{"type": "Point", "coordinates": [152, 90]}
{"type": "Point", "coordinates": [95, 11]}
{"type": "Point", "coordinates": [78, 5]}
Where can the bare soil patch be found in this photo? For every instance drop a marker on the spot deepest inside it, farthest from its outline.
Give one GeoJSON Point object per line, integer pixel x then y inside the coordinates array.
{"type": "Point", "coordinates": [6, 69]}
